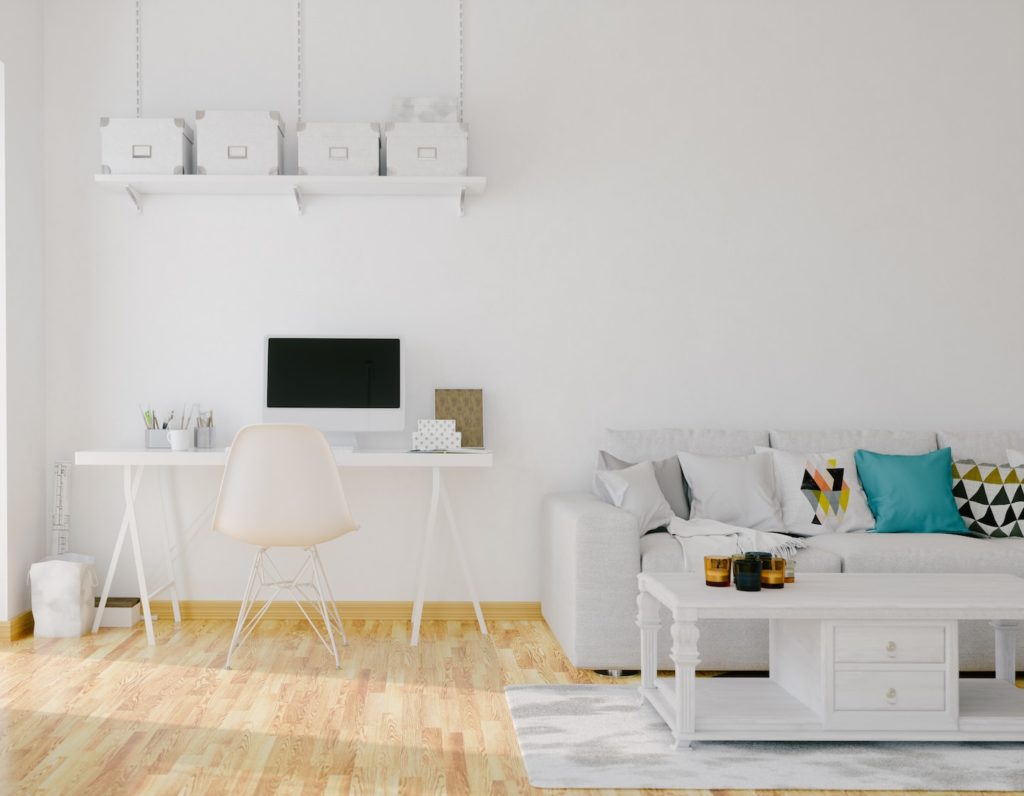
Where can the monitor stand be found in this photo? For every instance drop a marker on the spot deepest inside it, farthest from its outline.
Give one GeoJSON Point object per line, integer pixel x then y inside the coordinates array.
{"type": "Point", "coordinates": [344, 441]}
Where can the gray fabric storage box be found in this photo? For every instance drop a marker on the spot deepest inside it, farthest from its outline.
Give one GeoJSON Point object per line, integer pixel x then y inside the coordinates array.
{"type": "Point", "coordinates": [145, 146]}
{"type": "Point", "coordinates": [426, 149]}
{"type": "Point", "coordinates": [239, 142]}
{"type": "Point", "coordinates": [339, 148]}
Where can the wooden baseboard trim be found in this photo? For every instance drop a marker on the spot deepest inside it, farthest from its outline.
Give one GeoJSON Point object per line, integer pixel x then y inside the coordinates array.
{"type": "Point", "coordinates": [17, 628]}
{"type": "Point", "coordinates": [443, 611]}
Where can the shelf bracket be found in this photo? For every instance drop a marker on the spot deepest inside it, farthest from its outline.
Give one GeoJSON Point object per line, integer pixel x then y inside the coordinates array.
{"type": "Point", "coordinates": [462, 202]}
{"type": "Point", "coordinates": [134, 196]}
{"type": "Point", "coordinates": [300, 208]}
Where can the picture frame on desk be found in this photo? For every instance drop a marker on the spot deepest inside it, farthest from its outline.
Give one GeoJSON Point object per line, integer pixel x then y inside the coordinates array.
{"type": "Point", "coordinates": [466, 408]}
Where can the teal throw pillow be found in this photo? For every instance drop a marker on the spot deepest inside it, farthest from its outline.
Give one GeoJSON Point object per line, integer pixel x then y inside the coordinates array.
{"type": "Point", "coordinates": [910, 494]}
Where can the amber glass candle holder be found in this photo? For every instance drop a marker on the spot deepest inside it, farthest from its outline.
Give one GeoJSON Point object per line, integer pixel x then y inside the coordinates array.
{"type": "Point", "coordinates": [773, 573]}
{"type": "Point", "coordinates": [746, 573]}
{"type": "Point", "coordinates": [717, 571]}
{"type": "Point", "coordinates": [790, 570]}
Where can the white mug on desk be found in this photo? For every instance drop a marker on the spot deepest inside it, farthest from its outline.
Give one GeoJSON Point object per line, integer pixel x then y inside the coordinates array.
{"type": "Point", "coordinates": [180, 439]}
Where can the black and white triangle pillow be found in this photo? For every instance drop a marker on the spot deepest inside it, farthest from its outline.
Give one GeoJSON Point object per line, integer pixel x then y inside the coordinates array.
{"type": "Point", "coordinates": [990, 498]}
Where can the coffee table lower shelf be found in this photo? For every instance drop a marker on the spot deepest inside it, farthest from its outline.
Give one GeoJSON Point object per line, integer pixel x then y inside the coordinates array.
{"type": "Point", "coordinates": [759, 709]}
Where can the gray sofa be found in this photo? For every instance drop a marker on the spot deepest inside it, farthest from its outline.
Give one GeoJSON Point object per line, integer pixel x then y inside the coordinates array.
{"type": "Point", "coordinates": [593, 553]}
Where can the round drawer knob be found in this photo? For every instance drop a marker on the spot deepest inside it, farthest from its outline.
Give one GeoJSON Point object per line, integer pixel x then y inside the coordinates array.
{"type": "Point", "coordinates": [890, 695]}
{"type": "Point", "coordinates": [890, 649]}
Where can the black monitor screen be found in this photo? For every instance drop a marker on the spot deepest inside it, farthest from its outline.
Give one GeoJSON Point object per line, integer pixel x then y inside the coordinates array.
{"type": "Point", "coordinates": [333, 373]}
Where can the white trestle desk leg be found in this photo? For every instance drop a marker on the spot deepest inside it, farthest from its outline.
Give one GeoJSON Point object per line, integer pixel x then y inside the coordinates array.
{"type": "Point", "coordinates": [686, 658]}
{"type": "Point", "coordinates": [117, 551]}
{"type": "Point", "coordinates": [170, 546]}
{"type": "Point", "coordinates": [649, 620]}
{"type": "Point", "coordinates": [460, 552]}
{"type": "Point", "coordinates": [428, 539]}
{"type": "Point", "coordinates": [133, 531]}
{"type": "Point", "coordinates": [1006, 650]}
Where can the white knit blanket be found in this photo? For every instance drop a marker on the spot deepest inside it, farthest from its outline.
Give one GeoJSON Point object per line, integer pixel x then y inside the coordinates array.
{"type": "Point", "coordinates": [701, 538]}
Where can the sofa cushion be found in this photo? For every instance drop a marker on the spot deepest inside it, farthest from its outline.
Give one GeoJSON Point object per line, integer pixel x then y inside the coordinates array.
{"type": "Point", "coordinates": [661, 552]}
{"type": "Point", "coordinates": [910, 494]}
{"type": "Point", "coordinates": [905, 442]}
{"type": "Point", "coordinates": [667, 471]}
{"type": "Point", "coordinates": [911, 552]}
{"type": "Point", "coordinates": [736, 490]}
{"type": "Point", "coordinates": [990, 498]}
{"type": "Point", "coordinates": [820, 492]}
{"type": "Point", "coordinates": [635, 489]}
{"type": "Point", "coordinates": [982, 446]}
{"type": "Point", "coordinates": [637, 446]}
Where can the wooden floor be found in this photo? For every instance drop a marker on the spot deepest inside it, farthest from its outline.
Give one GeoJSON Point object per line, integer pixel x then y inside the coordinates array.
{"type": "Point", "coordinates": [107, 714]}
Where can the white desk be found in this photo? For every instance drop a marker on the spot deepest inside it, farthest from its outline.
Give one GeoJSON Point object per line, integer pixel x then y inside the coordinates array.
{"type": "Point", "coordinates": [135, 462]}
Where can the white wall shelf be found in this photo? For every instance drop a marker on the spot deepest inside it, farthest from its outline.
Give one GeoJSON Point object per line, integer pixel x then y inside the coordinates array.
{"type": "Point", "coordinates": [297, 187]}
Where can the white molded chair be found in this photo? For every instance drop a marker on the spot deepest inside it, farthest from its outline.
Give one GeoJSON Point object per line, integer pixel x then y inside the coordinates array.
{"type": "Point", "coordinates": [282, 488]}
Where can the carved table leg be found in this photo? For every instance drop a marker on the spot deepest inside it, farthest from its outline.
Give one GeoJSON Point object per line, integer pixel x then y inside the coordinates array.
{"type": "Point", "coordinates": [649, 620]}
{"type": "Point", "coordinates": [686, 657]}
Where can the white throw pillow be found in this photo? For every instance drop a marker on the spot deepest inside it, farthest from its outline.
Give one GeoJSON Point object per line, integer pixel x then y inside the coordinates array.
{"type": "Point", "coordinates": [1015, 458]}
{"type": "Point", "coordinates": [736, 490]}
{"type": "Point", "coordinates": [635, 489]}
{"type": "Point", "coordinates": [667, 471]}
{"type": "Point", "coordinates": [820, 492]}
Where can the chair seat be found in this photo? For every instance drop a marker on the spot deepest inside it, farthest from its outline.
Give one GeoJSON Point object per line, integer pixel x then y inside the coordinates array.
{"type": "Point", "coordinates": [281, 488]}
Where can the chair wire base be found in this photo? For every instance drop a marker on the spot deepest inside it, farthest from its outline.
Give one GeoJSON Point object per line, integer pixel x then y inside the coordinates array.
{"type": "Point", "coordinates": [309, 584]}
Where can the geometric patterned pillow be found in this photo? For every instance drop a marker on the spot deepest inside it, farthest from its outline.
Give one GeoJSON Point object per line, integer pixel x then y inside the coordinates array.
{"type": "Point", "coordinates": [990, 498]}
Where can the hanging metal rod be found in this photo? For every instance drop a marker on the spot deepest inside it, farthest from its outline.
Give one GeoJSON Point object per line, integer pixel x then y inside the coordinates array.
{"type": "Point", "coordinates": [138, 59]}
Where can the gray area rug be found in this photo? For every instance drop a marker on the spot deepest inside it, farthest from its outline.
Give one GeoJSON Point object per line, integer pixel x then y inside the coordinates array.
{"type": "Point", "coordinates": [595, 736]}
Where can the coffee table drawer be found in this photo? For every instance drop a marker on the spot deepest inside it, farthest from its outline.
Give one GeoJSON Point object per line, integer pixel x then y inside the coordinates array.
{"type": "Point", "coordinates": [889, 690]}
{"type": "Point", "coordinates": [890, 644]}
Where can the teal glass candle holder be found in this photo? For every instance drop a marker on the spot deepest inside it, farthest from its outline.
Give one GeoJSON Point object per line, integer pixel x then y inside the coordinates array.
{"type": "Point", "coordinates": [746, 574]}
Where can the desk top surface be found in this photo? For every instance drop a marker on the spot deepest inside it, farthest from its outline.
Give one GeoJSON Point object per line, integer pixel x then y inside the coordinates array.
{"type": "Point", "coordinates": [216, 457]}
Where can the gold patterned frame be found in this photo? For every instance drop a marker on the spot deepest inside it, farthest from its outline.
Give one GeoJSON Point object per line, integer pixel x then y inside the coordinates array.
{"type": "Point", "coordinates": [466, 408]}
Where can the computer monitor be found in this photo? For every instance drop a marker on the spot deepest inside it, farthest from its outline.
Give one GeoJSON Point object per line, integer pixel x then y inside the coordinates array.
{"type": "Point", "coordinates": [340, 385]}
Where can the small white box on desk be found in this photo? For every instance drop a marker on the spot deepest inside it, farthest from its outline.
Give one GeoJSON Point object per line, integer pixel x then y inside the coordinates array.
{"type": "Point", "coordinates": [145, 146]}
{"type": "Point", "coordinates": [339, 148]}
{"type": "Point", "coordinates": [239, 142]}
{"type": "Point", "coordinates": [426, 149]}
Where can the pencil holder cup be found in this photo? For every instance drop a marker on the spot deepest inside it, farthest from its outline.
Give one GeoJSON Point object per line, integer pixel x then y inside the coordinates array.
{"type": "Point", "coordinates": [157, 438]}
{"type": "Point", "coordinates": [206, 437]}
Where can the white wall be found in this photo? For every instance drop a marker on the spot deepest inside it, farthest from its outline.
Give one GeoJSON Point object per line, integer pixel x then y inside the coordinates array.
{"type": "Point", "coordinates": [3, 346]}
{"type": "Point", "coordinates": [723, 213]}
{"type": "Point", "coordinates": [21, 334]}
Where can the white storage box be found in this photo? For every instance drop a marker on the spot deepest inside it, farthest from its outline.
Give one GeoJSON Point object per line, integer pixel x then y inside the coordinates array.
{"type": "Point", "coordinates": [426, 149]}
{"type": "Point", "coordinates": [239, 142]}
{"type": "Point", "coordinates": [63, 596]}
{"type": "Point", "coordinates": [338, 148]}
{"type": "Point", "coordinates": [145, 146]}
{"type": "Point", "coordinates": [121, 612]}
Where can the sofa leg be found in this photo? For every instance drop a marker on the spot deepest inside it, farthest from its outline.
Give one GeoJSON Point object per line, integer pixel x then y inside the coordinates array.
{"type": "Point", "coordinates": [616, 672]}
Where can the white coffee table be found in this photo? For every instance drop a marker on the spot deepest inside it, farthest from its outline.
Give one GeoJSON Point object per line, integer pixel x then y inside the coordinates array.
{"type": "Point", "coordinates": [852, 657]}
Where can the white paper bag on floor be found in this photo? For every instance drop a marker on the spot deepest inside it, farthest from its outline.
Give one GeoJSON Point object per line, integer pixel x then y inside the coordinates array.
{"type": "Point", "coordinates": [63, 595]}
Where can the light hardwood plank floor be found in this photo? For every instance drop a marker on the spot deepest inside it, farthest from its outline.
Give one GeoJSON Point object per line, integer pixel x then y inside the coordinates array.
{"type": "Point", "coordinates": [107, 714]}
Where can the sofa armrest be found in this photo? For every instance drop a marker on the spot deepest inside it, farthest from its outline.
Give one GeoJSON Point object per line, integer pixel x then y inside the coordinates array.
{"type": "Point", "coordinates": [591, 563]}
